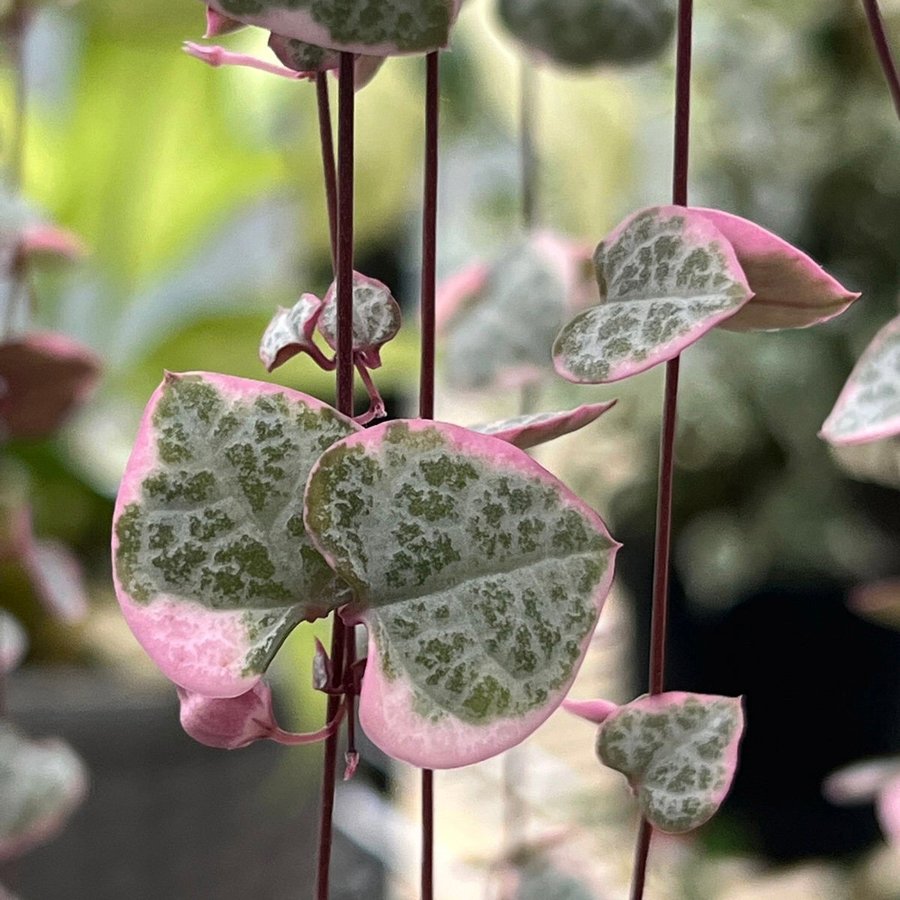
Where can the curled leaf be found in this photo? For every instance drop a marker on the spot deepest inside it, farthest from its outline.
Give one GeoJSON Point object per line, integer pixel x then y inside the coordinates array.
{"type": "Point", "coordinates": [478, 575]}
{"type": "Point", "coordinates": [212, 564]}
{"type": "Point", "coordinates": [679, 753]}
{"type": "Point", "coordinates": [529, 431]}
{"type": "Point", "coordinates": [378, 28]}
{"type": "Point", "coordinates": [667, 275]}
{"type": "Point", "coordinates": [291, 332]}
{"type": "Point", "coordinates": [232, 723]}
{"type": "Point", "coordinates": [790, 290]}
{"type": "Point", "coordinates": [868, 408]}
{"type": "Point", "coordinates": [376, 318]}
{"type": "Point", "coordinates": [13, 642]}
{"type": "Point", "coordinates": [44, 377]}
{"type": "Point", "coordinates": [41, 784]}
{"type": "Point", "coordinates": [498, 322]}
{"type": "Point", "coordinates": [308, 59]}
{"type": "Point", "coordinates": [584, 33]}
{"type": "Point", "coordinates": [596, 711]}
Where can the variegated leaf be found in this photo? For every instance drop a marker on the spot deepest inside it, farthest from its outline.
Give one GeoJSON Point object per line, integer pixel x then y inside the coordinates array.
{"type": "Point", "coordinates": [41, 784]}
{"type": "Point", "coordinates": [868, 408]}
{"type": "Point", "coordinates": [212, 564]}
{"type": "Point", "coordinates": [679, 753]}
{"type": "Point", "coordinates": [499, 323]}
{"type": "Point", "coordinates": [13, 642]}
{"type": "Point", "coordinates": [307, 58]}
{"type": "Point", "coordinates": [376, 318]}
{"type": "Point", "coordinates": [479, 576]}
{"type": "Point", "coordinates": [667, 276]}
{"type": "Point", "coordinates": [583, 33]}
{"type": "Point", "coordinates": [790, 290]}
{"type": "Point", "coordinates": [290, 332]}
{"type": "Point", "coordinates": [377, 27]}
{"type": "Point", "coordinates": [529, 431]}
{"type": "Point", "coordinates": [43, 379]}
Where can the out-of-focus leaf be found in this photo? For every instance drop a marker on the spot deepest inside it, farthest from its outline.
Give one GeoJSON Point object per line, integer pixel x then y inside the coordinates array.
{"type": "Point", "coordinates": [13, 642]}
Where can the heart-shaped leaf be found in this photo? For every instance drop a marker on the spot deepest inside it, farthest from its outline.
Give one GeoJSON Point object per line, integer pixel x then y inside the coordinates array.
{"type": "Point", "coordinates": [583, 33]}
{"type": "Point", "coordinates": [212, 564]}
{"type": "Point", "coordinates": [498, 323]}
{"type": "Point", "coordinates": [667, 275]}
{"type": "Point", "coordinates": [478, 575]}
{"type": "Point", "coordinates": [41, 784]}
{"type": "Point", "coordinates": [868, 408]}
{"type": "Point", "coordinates": [376, 318]}
{"type": "Point", "coordinates": [529, 431]}
{"type": "Point", "coordinates": [308, 58]}
{"type": "Point", "coordinates": [43, 378]}
{"type": "Point", "coordinates": [377, 27]}
{"type": "Point", "coordinates": [291, 332]}
{"type": "Point", "coordinates": [790, 290]}
{"type": "Point", "coordinates": [679, 753]}
{"type": "Point", "coordinates": [13, 642]}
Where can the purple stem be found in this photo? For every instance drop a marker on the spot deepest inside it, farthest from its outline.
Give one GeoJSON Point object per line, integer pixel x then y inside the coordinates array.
{"type": "Point", "coordinates": [326, 139]}
{"type": "Point", "coordinates": [340, 634]}
{"type": "Point", "coordinates": [663, 551]}
{"type": "Point", "coordinates": [885, 57]}
{"type": "Point", "coordinates": [426, 377]}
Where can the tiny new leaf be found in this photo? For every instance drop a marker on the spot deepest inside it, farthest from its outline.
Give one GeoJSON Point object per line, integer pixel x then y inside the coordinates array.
{"type": "Point", "coordinates": [667, 275]}
{"type": "Point", "coordinates": [583, 33]}
{"type": "Point", "coordinates": [790, 290]}
{"type": "Point", "coordinates": [528, 431]}
{"type": "Point", "coordinates": [41, 783]}
{"type": "Point", "coordinates": [377, 28]}
{"type": "Point", "coordinates": [291, 332]}
{"type": "Point", "coordinates": [679, 753]}
{"type": "Point", "coordinates": [478, 575]}
{"type": "Point", "coordinates": [376, 319]}
{"type": "Point", "coordinates": [868, 408]}
{"type": "Point", "coordinates": [212, 564]}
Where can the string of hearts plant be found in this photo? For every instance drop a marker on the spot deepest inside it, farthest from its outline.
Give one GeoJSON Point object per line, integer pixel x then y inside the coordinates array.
{"type": "Point", "coordinates": [247, 508]}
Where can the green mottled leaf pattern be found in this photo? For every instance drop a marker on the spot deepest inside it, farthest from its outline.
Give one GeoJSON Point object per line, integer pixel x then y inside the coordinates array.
{"type": "Point", "coordinates": [212, 562]}
{"type": "Point", "coordinates": [479, 576]}
{"type": "Point", "coordinates": [667, 276]}
{"type": "Point", "coordinates": [679, 753]}
{"type": "Point", "coordinates": [583, 33]}
{"type": "Point", "coordinates": [379, 27]}
{"type": "Point", "coordinates": [308, 58]}
{"type": "Point", "coordinates": [868, 408]}
{"type": "Point", "coordinates": [41, 783]}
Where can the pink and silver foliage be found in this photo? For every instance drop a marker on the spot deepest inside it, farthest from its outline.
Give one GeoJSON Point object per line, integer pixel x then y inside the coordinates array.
{"type": "Point", "coordinates": [531, 430]}
{"type": "Point", "coordinates": [670, 274]}
{"type": "Point", "coordinates": [679, 752]}
{"type": "Point", "coordinates": [446, 541]}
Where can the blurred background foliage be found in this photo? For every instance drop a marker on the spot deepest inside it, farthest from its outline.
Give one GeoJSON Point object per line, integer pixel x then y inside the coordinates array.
{"type": "Point", "coordinates": [198, 192]}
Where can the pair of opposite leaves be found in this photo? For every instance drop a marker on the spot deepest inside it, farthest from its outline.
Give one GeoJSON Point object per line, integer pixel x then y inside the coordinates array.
{"type": "Point", "coordinates": [478, 575]}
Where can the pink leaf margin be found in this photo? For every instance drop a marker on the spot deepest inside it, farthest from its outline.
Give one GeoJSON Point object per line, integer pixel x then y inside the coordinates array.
{"type": "Point", "coordinates": [387, 710]}
{"type": "Point", "coordinates": [526, 434]}
{"type": "Point", "coordinates": [171, 630]}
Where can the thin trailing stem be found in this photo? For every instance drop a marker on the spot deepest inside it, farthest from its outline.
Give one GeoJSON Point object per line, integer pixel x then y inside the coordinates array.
{"type": "Point", "coordinates": [326, 139]}
{"type": "Point", "coordinates": [344, 276]}
{"type": "Point", "coordinates": [663, 550]}
{"type": "Point", "coordinates": [527, 144]}
{"type": "Point", "coordinates": [883, 47]}
{"type": "Point", "coordinates": [427, 375]}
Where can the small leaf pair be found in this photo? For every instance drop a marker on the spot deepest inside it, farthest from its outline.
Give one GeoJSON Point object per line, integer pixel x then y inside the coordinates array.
{"type": "Point", "coordinates": [678, 751]}
{"type": "Point", "coordinates": [247, 508]}
{"type": "Point", "coordinates": [376, 320]}
{"type": "Point", "coordinates": [669, 274]}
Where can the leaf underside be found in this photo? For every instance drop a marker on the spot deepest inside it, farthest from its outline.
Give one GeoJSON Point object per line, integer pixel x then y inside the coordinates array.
{"type": "Point", "coordinates": [583, 33]}
{"type": "Point", "coordinates": [290, 332]}
{"type": "Point", "coordinates": [868, 408]}
{"type": "Point", "coordinates": [212, 563]}
{"type": "Point", "coordinates": [679, 753]}
{"type": "Point", "coordinates": [528, 431]}
{"type": "Point", "coordinates": [667, 276]}
{"type": "Point", "coordinates": [379, 27]}
{"type": "Point", "coordinates": [478, 575]}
